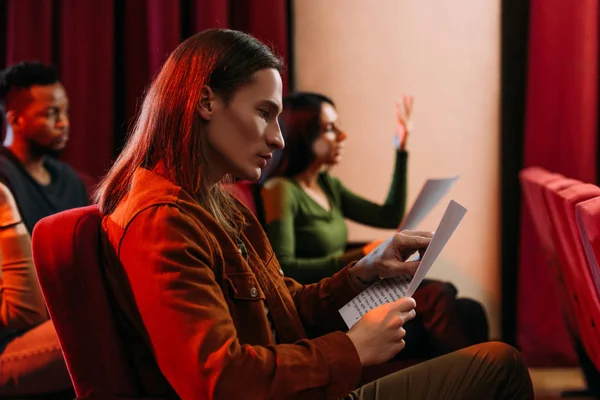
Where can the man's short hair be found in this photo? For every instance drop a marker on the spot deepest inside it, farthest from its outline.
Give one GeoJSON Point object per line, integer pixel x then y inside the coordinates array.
{"type": "Point", "coordinates": [24, 75]}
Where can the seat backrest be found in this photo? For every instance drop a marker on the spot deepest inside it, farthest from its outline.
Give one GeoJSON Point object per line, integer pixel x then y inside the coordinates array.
{"type": "Point", "coordinates": [560, 258]}
{"type": "Point", "coordinates": [557, 223]}
{"type": "Point", "coordinates": [534, 183]}
{"type": "Point", "coordinates": [553, 186]}
{"type": "Point", "coordinates": [572, 197]}
{"type": "Point", "coordinates": [243, 191]}
{"type": "Point", "coordinates": [562, 204]}
{"type": "Point", "coordinates": [588, 222]}
{"type": "Point", "coordinates": [249, 194]}
{"type": "Point", "coordinates": [66, 251]}
{"type": "Point", "coordinates": [533, 180]}
{"type": "Point", "coordinates": [574, 262]}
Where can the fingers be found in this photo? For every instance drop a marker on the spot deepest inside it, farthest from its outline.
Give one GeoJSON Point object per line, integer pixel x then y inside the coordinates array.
{"type": "Point", "coordinates": [426, 234]}
{"type": "Point", "coordinates": [408, 267]}
{"type": "Point", "coordinates": [414, 240]}
{"type": "Point", "coordinates": [398, 347]}
{"type": "Point", "coordinates": [408, 104]}
{"type": "Point", "coordinates": [407, 242]}
{"type": "Point", "coordinates": [402, 333]}
{"type": "Point", "coordinates": [391, 268]}
{"type": "Point", "coordinates": [401, 112]}
{"type": "Point", "coordinates": [405, 304]}
{"type": "Point", "coordinates": [407, 316]}
{"type": "Point", "coordinates": [402, 315]}
{"type": "Point", "coordinates": [401, 346]}
{"type": "Point", "coordinates": [404, 107]}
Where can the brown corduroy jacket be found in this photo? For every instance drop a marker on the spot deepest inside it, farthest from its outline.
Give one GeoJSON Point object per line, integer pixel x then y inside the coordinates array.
{"type": "Point", "coordinates": [198, 312]}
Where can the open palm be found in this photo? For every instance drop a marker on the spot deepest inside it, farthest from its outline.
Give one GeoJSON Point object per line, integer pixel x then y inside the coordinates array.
{"type": "Point", "coordinates": [404, 111]}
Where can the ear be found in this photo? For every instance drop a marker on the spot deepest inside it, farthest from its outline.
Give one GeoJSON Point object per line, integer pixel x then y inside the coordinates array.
{"type": "Point", "coordinates": [12, 118]}
{"type": "Point", "coordinates": [207, 103]}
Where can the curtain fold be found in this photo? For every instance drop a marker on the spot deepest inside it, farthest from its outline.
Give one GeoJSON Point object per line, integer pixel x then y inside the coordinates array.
{"type": "Point", "coordinates": [108, 51]}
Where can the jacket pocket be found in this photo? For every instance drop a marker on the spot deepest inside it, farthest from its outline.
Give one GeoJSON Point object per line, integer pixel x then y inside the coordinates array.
{"type": "Point", "coordinates": [244, 286]}
{"type": "Point", "coordinates": [248, 308]}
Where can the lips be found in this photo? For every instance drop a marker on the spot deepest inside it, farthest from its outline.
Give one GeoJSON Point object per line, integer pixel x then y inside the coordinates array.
{"type": "Point", "coordinates": [264, 159]}
{"type": "Point", "coordinates": [61, 141]}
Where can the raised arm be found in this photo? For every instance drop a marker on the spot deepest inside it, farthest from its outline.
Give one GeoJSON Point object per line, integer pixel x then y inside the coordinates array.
{"type": "Point", "coordinates": [387, 215]}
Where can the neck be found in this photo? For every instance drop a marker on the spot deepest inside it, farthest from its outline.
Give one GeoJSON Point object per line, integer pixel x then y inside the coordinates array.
{"type": "Point", "coordinates": [310, 176]}
{"type": "Point", "coordinates": [20, 149]}
{"type": "Point", "coordinates": [214, 178]}
{"type": "Point", "coordinates": [215, 174]}
{"type": "Point", "coordinates": [214, 163]}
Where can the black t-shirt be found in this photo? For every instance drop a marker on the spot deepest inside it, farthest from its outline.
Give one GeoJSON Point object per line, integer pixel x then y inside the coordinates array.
{"type": "Point", "coordinates": [65, 191]}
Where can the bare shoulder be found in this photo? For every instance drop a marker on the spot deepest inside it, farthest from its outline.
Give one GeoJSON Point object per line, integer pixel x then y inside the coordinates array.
{"type": "Point", "coordinates": [277, 184]}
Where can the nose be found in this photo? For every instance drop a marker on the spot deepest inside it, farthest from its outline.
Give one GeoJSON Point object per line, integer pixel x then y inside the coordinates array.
{"type": "Point", "coordinates": [275, 138]}
{"type": "Point", "coordinates": [341, 136]}
{"type": "Point", "coordinates": [63, 121]}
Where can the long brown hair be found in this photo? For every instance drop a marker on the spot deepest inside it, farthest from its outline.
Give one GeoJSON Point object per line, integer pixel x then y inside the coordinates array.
{"type": "Point", "coordinates": [169, 129]}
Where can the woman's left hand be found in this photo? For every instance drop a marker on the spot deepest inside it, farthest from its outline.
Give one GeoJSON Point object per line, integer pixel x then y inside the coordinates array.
{"type": "Point", "coordinates": [403, 115]}
{"type": "Point", "coordinates": [389, 258]}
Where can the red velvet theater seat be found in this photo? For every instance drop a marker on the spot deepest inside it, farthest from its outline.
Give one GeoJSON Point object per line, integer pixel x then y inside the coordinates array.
{"type": "Point", "coordinates": [588, 221]}
{"type": "Point", "coordinates": [574, 263]}
{"type": "Point", "coordinates": [248, 193]}
{"type": "Point", "coordinates": [66, 250]}
{"type": "Point", "coordinates": [534, 182]}
{"type": "Point", "coordinates": [244, 191]}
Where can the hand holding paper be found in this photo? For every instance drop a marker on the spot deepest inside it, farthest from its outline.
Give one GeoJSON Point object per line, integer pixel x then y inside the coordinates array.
{"type": "Point", "coordinates": [404, 284]}
{"type": "Point", "coordinates": [380, 334]}
{"type": "Point", "coordinates": [390, 258]}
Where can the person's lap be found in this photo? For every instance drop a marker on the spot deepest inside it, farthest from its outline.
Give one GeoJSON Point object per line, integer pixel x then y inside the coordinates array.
{"type": "Point", "coordinates": [485, 371]}
{"type": "Point", "coordinates": [442, 325]}
{"type": "Point", "coordinates": [32, 363]}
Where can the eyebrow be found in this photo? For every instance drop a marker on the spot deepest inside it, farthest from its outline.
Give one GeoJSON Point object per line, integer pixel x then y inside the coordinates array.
{"type": "Point", "coordinates": [272, 105]}
{"type": "Point", "coordinates": [65, 105]}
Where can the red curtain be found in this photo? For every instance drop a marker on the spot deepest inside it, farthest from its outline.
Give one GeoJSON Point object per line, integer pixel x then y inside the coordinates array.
{"type": "Point", "coordinates": [107, 52]}
{"type": "Point", "coordinates": [560, 135]}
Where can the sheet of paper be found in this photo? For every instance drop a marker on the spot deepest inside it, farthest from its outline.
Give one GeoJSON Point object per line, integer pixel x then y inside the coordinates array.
{"type": "Point", "coordinates": [384, 291]}
{"type": "Point", "coordinates": [432, 192]}
{"type": "Point", "coordinates": [450, 221]}
{"type": "Point", "coordinates": [388, 290]}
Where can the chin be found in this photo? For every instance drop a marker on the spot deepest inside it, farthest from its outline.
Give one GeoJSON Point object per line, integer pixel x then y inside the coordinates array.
{"type": "Point", "coordinates": [249, 175]}
{"type": "Point", "coordinates": [54, 152]}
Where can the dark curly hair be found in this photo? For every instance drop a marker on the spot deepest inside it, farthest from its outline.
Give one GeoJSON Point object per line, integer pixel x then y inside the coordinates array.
{"type": "Point", "coordinates": [24, 75]}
